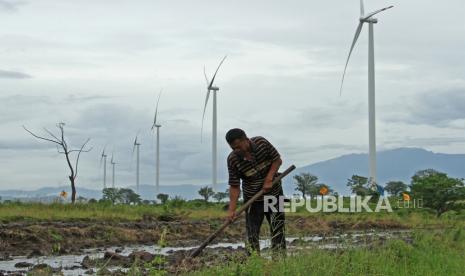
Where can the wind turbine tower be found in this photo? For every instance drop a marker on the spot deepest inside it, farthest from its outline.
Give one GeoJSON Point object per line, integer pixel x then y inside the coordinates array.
{"type": "Point", "coordinates": [370, 20]}
{"type": "Point", "coordinates": [104, 159]}
{"type": "Point", "coordinates": [137, 148]}
{"type": "Point", "coordinates": [112, 162]}
{"type": "Point", "coordinates": [157, 169]}
{"type": "Point", "coordinates": [213, 89]}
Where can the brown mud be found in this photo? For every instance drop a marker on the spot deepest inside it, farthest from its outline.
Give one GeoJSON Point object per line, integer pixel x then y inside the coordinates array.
{"type": "Point", "coordinates": [60, 238]}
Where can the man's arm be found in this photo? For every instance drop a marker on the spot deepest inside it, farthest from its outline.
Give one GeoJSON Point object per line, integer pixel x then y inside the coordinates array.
{"type": "Point", "coordinates": [275, 157]}
{"type": "Point", "coordinates": [271, 173]}
{"type": "Point", "coordinates": [234, 188]}
{"type": "Point", "coordinates": [234, 192]}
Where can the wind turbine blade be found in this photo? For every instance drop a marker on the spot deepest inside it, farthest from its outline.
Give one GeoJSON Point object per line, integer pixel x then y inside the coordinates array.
{"type": "Point", "coordinates": [376, 12]}
{"type": "Point", "coordinates": [134, 145]}
{"type": "Point", "coordinates": [203, 115]}
{"type": "Point", "coordinates": [102, 155]}
{"type": "Point", "coordinates": [156, 111]}
{"type": "Point", "coordinates": [205, 74]}
{"type": "Point", "coordinates": [357, 34]}
{"type": "Point", "coordinates": [136, 142]}
{"type": "Point", "coordinates": [214, 76]}
{"type": "Point", "coordinates": [362, 8]}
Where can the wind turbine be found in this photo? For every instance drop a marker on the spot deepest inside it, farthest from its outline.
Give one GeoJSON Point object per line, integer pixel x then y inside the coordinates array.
{"type": "Point", "coordinates": [368, 18]}
{"type": "Point", "coordinates": [137, 145]}
{"type": "Point", "coordinates": [212, 89]}
{"type": "Point", "coordinates": [158, 126]}
{"type": "Point", "coordinates": [112, 162]}
{"type": "Point", "coordinates": [104, 158]}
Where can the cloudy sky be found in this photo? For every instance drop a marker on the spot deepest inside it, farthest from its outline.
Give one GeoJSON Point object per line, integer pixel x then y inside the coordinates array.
{"type": "Point", "coordinates": [98, 65]}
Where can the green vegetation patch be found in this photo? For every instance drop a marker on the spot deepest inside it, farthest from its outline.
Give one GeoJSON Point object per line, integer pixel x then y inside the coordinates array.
{"type": "Point", "coordinates": [428, 253]}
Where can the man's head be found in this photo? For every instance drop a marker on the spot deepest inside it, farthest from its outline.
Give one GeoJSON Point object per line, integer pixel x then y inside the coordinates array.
{"type": "Point", "coordinates": [237, 140]}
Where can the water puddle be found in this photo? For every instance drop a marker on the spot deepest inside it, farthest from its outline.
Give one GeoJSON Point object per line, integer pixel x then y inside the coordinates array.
{"type": "Point", "coordinates": [71, 264]}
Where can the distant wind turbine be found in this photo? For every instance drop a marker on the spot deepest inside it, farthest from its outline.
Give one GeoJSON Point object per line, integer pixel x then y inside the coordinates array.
{"type": "Point", "coordinates": [104, 159]}
{"type": "Point", "coordinates": [157, 126]}
{"type": "Point", "coordinates": [137, 146]}
{"type": "Point", "coordinates": [212, 89]}
{"type": "Point", "coordinates": [371, 83]}
{"type": "Point", "coordinates": [112, 162]}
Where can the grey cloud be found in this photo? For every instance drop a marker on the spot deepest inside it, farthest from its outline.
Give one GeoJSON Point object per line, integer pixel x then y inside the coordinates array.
{"type": "Point", "coordinates": [21, 99]}
{"type": "Point", "coordinates": [326, 117]}
{"type": "Point", "coordinates": [16, 108]}
{"type": "Point", "coordinates": [83, 55]}
{"type": "Point", "coordinates": [302, 149]}
{"type": "Point", "coordinates": [23, 108]}
{"type": "Point", "coordinates": [206, 47]}
{"type": "Point", "coordinates": [131, 42]}
{"type": "Point", "coordinates": [108, 117]}
{"type": "Point", "coordinates": [438, 107]}
{"type": "Point", "coordinates": [5, 74]}
{"type": "Point", "coordinates": [424, 141]}
{"type": "Point", "coordinates": [21, 41]}
{"type": "Point", "coordinates": [86, 98]}
{"type": "Point", "coordinates": [6, 5]}
{"type": "Point", "coordinates": [182, 157]}
{"type": "Point", "coordinates": [24, 145]}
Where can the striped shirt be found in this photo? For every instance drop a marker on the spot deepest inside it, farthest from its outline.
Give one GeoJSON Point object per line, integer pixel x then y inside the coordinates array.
{"type": "Point", "coordinates": [253, 173]}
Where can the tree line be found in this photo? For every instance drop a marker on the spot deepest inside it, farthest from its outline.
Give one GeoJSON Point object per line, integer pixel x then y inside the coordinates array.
{"type": "Point", "coordinates": [437, 190]}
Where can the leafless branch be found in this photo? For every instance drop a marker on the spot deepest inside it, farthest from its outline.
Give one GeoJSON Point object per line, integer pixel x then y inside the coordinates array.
{"type": "Point", "coordinates": [58, 150]}
{"type": "Point", "coordinates": [42, 138]}
{"type": "Point", "coordinates": [51, 134]}
{"type": "Point", "coordinates": [62, 130]}
{"type": "Point", "coordinates": [62, 147]}
{"type": "Point", "coordinates": [79, 155]}
{"type": "Point", "coordinates": [71, 151]}
{"type": "Point", "coordinates": [80, 150]}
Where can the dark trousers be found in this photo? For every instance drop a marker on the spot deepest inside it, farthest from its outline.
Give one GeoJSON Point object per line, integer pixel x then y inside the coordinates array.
{"type": "Point", "coordinates": [254, 219]}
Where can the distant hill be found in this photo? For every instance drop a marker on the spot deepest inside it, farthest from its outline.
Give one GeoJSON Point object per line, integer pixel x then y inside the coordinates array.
{"type": "Point", "coordinates": [396, 164]}
{"type": "Point", "coordinates": [47, 194]}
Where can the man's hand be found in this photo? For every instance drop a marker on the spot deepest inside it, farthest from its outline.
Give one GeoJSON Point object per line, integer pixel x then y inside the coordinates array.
{"type": "Point", "coordinates": [271, 173]}
{"type": "Point", "coordinates": [267, 184]}
{"type": "Point", "coordinates": [234, 192]}
{"type": "Point", "coordinates": [231, 215]}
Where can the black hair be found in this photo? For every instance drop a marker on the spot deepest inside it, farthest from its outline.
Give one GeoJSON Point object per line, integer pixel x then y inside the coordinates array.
{"type": "Point", "coordinates": [235, 133]}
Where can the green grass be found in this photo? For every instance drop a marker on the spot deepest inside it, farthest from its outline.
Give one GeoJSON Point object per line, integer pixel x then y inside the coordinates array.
{"type": "Point", "coordinates": [11, 212]}
{"type": "Point", "coordinates": [432, 252]}
{"type": "Point", "coordinates": [413, 218]}
{"type": "Point", "coordinates": [407, 217]}
{"type": "Point", "coordinates": [65, 212]}
{"type": "Point", "coordinates": [429, 253]}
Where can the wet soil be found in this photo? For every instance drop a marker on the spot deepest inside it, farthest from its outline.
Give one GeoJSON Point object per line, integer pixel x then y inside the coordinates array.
{"type": "Point", "coordinates": [46, 238]}
{"type": "Point", "coordinates": [114, 248]}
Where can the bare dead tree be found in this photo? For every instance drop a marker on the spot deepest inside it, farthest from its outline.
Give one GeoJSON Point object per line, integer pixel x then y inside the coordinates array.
{"type": "Point", "coordinates": [62, 147]}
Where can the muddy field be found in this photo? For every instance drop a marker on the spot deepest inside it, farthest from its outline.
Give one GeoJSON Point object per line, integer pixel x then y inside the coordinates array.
{"type": "Point", "coordinates": [77, 248]}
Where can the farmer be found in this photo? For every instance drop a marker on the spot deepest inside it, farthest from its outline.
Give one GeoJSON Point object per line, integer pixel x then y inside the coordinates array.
{"type": "Point", "coordinates": [255, 161]}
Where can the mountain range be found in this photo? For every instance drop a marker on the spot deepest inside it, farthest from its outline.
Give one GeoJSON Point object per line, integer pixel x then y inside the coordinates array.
{"type": "Point", "coordinates": [396, 164]}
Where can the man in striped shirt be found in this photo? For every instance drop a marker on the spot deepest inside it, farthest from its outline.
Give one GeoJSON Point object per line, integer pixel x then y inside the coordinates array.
{"type": "Point", "coordinates": [255, 161]}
